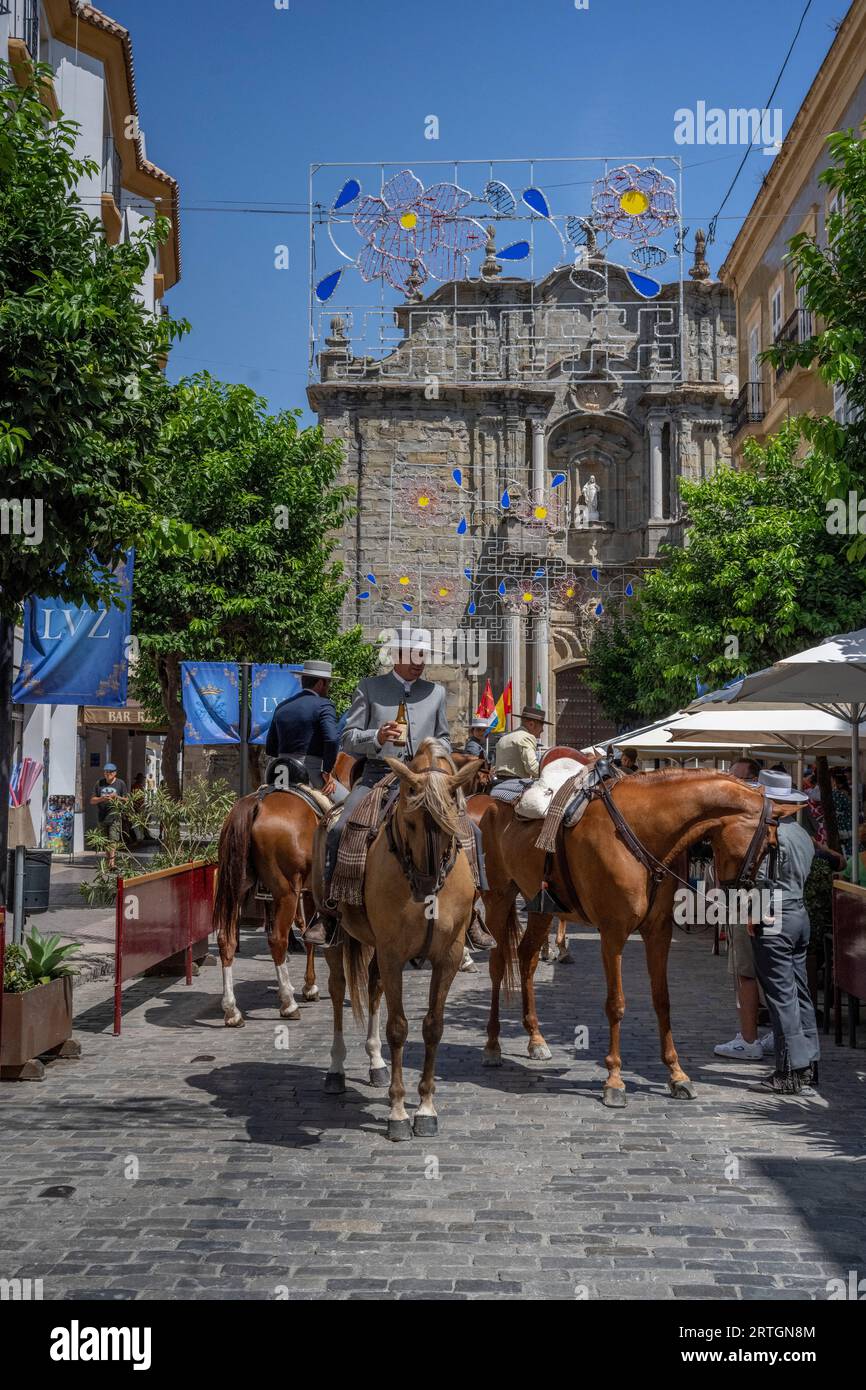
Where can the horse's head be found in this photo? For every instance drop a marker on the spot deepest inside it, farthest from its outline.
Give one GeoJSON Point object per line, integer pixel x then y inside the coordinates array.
{"type": "Point", "coordinates": [483, 777]}
{"type": "Point", "coordinates": [745, 832]}
{"type": "Point", "coordinates": [431, 787]}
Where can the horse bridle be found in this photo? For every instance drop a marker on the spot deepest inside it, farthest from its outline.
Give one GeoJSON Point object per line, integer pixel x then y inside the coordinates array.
{"type": "Point", "coordinates": [424, 883]}
{"type": "Point", "coordinates": [659, 871]}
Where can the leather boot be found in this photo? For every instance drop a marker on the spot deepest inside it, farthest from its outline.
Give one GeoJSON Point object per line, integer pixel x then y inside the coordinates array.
{"type": "Point", "coordinates": [478, 936]}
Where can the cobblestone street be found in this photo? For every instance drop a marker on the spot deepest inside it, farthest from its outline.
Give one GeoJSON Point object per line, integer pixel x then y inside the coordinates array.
{"type": "Point", "coordinates": [188, 1160]}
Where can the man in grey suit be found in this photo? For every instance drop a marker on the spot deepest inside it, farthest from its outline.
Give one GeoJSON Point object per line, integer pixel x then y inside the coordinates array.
{"type": "Point", "coordinates": [372, 733]}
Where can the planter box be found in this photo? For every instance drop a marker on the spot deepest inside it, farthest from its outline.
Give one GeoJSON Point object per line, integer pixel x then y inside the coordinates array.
{"type": "Point", "coordinates": [36, 1021]}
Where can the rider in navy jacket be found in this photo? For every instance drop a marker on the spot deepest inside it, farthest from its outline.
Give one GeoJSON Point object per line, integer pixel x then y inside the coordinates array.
{"type": "Point", "coordinates": [305, 725]}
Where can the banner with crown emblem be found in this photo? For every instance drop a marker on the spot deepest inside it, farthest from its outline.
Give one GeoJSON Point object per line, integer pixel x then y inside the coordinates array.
{"type": "Point", "coordinates": [211, 702]}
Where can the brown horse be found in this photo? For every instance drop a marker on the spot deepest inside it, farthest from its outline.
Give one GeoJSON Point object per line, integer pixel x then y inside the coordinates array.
{"type": "Point", "coordinates": [268, 841]}
{"type": "Point", "coordinates": [418, 896]}
{"type": "Point", "coordinates": [602, 881]}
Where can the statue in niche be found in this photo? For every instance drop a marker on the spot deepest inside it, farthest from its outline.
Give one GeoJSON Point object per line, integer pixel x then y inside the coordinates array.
{"type": "Point", "coordinates": [586, 511]}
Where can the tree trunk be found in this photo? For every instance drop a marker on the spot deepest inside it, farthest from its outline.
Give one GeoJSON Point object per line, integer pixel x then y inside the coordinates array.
{"type": "Point", "coordinates": [823, 770]}
{"type": "Point", "coordinates": [169, 684]}
{"type": "Point", "coordinates": [7, 650]}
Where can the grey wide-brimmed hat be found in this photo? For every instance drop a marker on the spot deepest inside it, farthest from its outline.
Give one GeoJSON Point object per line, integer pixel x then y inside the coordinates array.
{"type": "Point", "coordinates": [778, 786]}
{"type": "Point", "coordinates": [322, 670]}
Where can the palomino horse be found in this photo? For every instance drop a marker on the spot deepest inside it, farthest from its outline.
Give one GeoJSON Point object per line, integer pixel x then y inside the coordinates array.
{"type": "Point", "coordinates": [612, 870]}
{"type": "Point", "coordinates": [269, 841]}
{"type": "Point", "coordinates": [418, 896]}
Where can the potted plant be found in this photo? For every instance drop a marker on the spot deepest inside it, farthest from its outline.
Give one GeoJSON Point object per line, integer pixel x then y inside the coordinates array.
{"type": "Point", "coordinates": [37, 1006]}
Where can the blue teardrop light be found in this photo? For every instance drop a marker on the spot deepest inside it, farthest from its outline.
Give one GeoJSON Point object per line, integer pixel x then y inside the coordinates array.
{"type": "Point", "coordinates": [468, 574]}
{"type": "Point", "coordinates": [347, 194]}
{"type": "Point", "coordinates": [326, 287]}
{"type": "Point", "coordinates": [539, 574]}
{"type": "Point", "coordinates": [505, 500]}
{"type": "Point", "coordinates": [364, 595]}
{"type": "Point", "coordinates": [629, 590]}
{"type": "Point", "coordinates": [517, 251]}
{"type": "Point", "coordinates": [407, 607]}
{"type": "Point", "coordinates": [645, 287]}
{"type": "Point", "coordinates": [558, 480]}
{"type": "Point", "coordinates": [535, 199]}
{"type": "Point", "coordinates": [599, 609]}
{"type": "Point", "coordinates": [471, 610]}
{"type": "Point", "coordinates": [594, 574]}
{"type": "Point", "coordinates": [499, 196]}
{"type": "Point", "coordinates": [457, 475]}
{"type": "Point", "coordinates": [461, 526]}
{"type": "Point", "coordinates": [371, 578]}
{"type": "Point", "coordinates": [502, 589]}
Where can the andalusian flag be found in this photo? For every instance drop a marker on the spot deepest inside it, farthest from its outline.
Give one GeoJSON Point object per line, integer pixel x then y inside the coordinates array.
{"type": "Point", "coordinates": [501, 712]}
{"type": "Point", "coordinates": [487, 705]}
{"type": "Point", "coordinates": [539, 698]}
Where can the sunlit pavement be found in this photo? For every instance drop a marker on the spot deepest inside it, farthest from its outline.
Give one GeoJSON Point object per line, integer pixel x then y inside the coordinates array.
{"type": "Point", "coordinates": [188, 1160]}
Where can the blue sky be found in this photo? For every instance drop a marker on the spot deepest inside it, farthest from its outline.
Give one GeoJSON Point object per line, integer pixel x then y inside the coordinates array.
{"type": "Point", "coordinates": [237, 98]}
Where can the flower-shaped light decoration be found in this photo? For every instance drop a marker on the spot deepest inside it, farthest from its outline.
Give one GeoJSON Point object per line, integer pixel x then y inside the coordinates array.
{"type": "Point", "coordinates": [410, 228]}
{"type": "Point", "coordinates": [635, 203]}
{"type": "Point", "coordinates": [568, 592]}
{"type": "Point", "coordinates": [422, 499]}
{"type": "Point", "coordinates": [525, 596]}
{"type": "Point", "coordinates": [445, 590]}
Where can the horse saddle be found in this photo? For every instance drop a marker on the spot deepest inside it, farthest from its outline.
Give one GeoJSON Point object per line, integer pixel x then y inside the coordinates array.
{"type": "Point", "coordinates": [311, 795]}
{"type": "Point", "coordinates": [288, 771]}
{"type": "Point", "coordinates": [536, 800]}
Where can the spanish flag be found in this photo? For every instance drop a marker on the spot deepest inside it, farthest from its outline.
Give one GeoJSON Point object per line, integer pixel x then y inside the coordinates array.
{"type": "Point", "coordinates": [500, 714]}
{"type": "Point", "coordinates": [486, 705]}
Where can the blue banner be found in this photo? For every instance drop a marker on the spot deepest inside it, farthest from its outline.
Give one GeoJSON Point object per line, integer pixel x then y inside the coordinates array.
{"type": "Point", "coordinates": [211, 702]}
{"type": "Point", "coordinates": [269, 685]}
{"type": "Point", "coordinates": [76, 656]}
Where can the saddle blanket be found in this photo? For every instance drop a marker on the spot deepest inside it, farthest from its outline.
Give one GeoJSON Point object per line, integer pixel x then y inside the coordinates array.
{"type": "Point", "coordinates": [359, 832]}
{"type": "Point", "coordinates": [509, 790]}
{"type": "Point", "coordinates": [573, 788]}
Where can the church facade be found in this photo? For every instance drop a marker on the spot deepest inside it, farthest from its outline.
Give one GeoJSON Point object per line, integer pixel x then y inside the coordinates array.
{"type": "Point", "coordinates": [514, 455]}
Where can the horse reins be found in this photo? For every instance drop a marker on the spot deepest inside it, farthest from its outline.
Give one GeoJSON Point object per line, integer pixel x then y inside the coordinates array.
{"type": "Point", "coordinates": [428, 882]}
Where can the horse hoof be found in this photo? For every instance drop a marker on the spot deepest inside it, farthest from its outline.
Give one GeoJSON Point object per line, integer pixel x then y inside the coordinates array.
{"type": "Point", "coordinates": [335, 1083]}
{"type": "Point", "coordinates": [492, 1059]}
{"type": "Point", "coordinates": [426, 1126]}
{"type": "Point", "coordinates": [614, 1097]}
{"type": "Point", "coordinates": [567, 959]}
{"type": "Point", "coordinates": [399, 1130]}
{"type": "Point", "coordinates": [234, 1020]}
{"type": "Point", "coordinates": [380, 1076]}
{"type": "Point", "coordinates": [682, 1090]}
{"type": "Point", "coordinates": [291, 1015]}
{"type": "Point", "coordinates": [313, 996]}
{"type": "Point", "coordinates": [540, 1052]}
{"type": "Point", "coordinates": [469, 967]}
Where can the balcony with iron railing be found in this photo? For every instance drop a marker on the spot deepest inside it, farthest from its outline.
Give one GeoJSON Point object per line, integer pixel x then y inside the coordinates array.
{"type": "Point", "coordinates": [25, 23]}
{"type": "Point", "coordinates": [749, 406]}
{"type": "Point", "coordinates": [797, 328]}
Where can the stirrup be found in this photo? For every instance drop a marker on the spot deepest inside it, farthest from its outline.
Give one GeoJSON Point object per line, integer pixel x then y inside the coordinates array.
{"type": "Point", "coordinates": [263, 894]}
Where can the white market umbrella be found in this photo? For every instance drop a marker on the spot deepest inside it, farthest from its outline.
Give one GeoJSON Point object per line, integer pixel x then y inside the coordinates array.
{"type": "Point", "coordinates": [830, 677]}
{"type": "Point", "coordinates": [802, 730]}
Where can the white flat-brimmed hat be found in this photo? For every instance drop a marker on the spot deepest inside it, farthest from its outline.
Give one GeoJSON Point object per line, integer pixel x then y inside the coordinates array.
{"type": "Point", "coordinates": [778, 786]}
{"type": "Point", "coordinates": [322, 670]}
{"type": "Point", "coordinates": [415, 640]}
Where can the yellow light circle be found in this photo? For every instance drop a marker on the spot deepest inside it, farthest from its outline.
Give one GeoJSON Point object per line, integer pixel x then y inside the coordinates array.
{"type": "Point", "coordinates": [569, 593]}
{"type": "Point", "coordinates": [634, 202]}
{"type": "Point", "coordinates": [443, 593]}
{"type": "Point", "coordinates": [540, 513]}
{"type": "Point", "coordinates": [423, 500]}
{"type": "Point", "coordinates": [409, 221]}
{"type": "Point", "coordinates": [404, 579]}
{"type": "Point", "coordinates": [528, 598]}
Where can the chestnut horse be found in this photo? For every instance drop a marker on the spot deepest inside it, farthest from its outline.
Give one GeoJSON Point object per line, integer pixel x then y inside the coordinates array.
{"type": "Point", "coordinates": [418, 897]}
{"type": "Point", "coordinates": [601, 881]}
{"type": "Point", "coordinates": [268, 841]}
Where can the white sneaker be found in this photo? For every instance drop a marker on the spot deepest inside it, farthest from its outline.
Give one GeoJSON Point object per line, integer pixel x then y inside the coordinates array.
{"type": "Point", "coordinates": [768, 1044]}
{"type": "Point", "coordinates": [740, 1049]}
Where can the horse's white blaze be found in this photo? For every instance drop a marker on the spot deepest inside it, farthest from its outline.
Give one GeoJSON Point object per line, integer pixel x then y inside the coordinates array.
{"type": "Point", "coordinates": [229, 1005]}
{"type": "Point", "coordinates": [287, 994]}
{"type": "Point", "coordinates": [338, 1054]}
{"type": "Point", "coordinates": [373, 1044]}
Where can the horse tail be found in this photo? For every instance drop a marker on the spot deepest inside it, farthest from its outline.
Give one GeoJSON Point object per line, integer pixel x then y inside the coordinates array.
{"type": "Point", "coordinates": [356, 962]}
{"type": "Point", "coordinates": [234, 877]}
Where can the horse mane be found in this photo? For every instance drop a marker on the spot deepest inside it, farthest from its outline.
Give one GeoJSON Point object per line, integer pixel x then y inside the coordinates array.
{"type": "Point", "coordinates": [434, 795]}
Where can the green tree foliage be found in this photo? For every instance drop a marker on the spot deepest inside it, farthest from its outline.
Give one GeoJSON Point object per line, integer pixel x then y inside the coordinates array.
{"type": "Point", "coordinates": [82, 396]}
{"type": "Point", "coordinates": [759, 578]}
{"type": "Point", "coordinates": [831, 278]}
{"type": "Point", "coordinates": [268, 492]}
